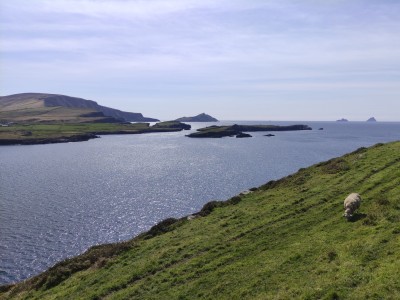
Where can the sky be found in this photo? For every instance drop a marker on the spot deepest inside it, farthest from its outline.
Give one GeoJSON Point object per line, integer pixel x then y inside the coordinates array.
{"type": "Point", "coordinates": [232, 59]}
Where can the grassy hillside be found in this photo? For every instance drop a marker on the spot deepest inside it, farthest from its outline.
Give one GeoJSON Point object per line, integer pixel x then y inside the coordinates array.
{"type": "Point", "coordinates": [44, 108]}
{"type": "Point", "coordinates": [32, 109]}
{"type": "Point", "coordinates": [53, 114]}
{"type": "Point", "coordinates": [285, 240]}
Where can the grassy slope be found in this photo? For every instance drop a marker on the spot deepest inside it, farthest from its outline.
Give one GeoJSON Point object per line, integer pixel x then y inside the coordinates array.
{"type": "Point", "coordinates": [34, 111]}
{"type": "Point", "coordinates": [285, 240]}
{"type": "Point", "coordinates": [45, 108]}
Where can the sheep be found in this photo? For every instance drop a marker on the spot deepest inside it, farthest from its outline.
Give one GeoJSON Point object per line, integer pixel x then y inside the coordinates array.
{"type": "Point", "coordinates": [351, 204]}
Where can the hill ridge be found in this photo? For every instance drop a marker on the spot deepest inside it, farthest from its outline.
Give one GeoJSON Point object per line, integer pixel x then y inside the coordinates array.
{"type": "Point", "coordinates": [34, 100]}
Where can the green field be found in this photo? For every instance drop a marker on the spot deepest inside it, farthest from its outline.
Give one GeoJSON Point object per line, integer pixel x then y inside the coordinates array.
{"type": "Point", "coordinates": [32, 132]}
{"type": "Point", "coordinates": [285, 240]}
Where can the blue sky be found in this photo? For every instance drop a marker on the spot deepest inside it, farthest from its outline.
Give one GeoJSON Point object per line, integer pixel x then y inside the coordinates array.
{"type": "Point", "coordinates": [233, 59]}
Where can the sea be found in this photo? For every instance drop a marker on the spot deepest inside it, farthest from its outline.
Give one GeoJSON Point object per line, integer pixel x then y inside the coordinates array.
{"type": "Point", "coordinates": [58, 200]}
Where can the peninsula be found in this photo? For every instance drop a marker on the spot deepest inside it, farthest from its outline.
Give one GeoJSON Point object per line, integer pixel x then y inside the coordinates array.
{"type": "Point", "coordinates": [50, 108]}
{"type": "Point", "coordinates": [34, 118]}
{"type": "Point", "coordinates": [237, 130]}
{"type": "Point", "coordinates": [199, 118]}
{"type": "Point", "coordinates": [286, 239]}
{"type": "Point", "coordinates": [30, 134]}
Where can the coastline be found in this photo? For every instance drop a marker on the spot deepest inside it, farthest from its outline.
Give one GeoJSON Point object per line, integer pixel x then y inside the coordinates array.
{"type": "Point", "coordinates": [97, 257]}
{"type": "Point", "coordinates": [34, 134]}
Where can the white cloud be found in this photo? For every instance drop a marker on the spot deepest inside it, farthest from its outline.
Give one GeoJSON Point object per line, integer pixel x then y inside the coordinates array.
{"type": "Point", "coordinates": [205, 47]}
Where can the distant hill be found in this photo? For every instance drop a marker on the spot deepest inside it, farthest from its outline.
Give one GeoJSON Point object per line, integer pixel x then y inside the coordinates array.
{"type": "Point", "coordinates": [372, 119]}
{"type": "Point", "coordinates": [199, 118]}
{"type": "Point", "coordinates": [39, 107]}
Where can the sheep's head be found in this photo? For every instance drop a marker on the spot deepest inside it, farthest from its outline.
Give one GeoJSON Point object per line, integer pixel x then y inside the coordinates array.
{"type": "Point", "coordinates": [347, 214]}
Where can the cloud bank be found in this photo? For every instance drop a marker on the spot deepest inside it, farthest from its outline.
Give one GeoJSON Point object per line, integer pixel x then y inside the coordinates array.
{"type": "Point", "coordinates": [262, 59]}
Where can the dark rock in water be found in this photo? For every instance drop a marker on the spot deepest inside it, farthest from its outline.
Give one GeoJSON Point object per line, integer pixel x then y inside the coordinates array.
{"type": "Point", "coordinates": [269, 134]}
{"type": "Point", "coordinates": [199, 118]}
{"type": "Point", "coordinates": [342, 120]}
{"type": "Point", "coordinates": [253, 128]}
{"type": "Point", "coordinates": [320, 128]}
{"type": "Point", "coordinates": [172, 125]}
{"type": "Point", "coordinates": [222, 131]}
{"type": "Point", "coordinates": [243, 135]}
{"type": "Point", "coordinates": [372, 119]}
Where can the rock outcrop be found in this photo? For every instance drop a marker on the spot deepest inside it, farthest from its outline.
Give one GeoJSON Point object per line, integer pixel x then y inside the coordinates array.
{"type": "Point", "coordinates": [234, 130]}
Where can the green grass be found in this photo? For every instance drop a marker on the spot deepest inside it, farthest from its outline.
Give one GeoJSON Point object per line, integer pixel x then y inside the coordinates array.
{"type": "Point", "coordinates": [285, 240]}
{"type": "Point", "coordinates": [41, 114]}
{"type": "Point", "coordinates": [38, 131]}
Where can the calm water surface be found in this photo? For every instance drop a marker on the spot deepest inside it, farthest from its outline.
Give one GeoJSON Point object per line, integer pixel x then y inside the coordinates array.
{"type": "Point", "coordinates": [58, 200]}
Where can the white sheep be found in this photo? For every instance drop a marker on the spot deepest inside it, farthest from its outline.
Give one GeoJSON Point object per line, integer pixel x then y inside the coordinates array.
{"type": "Point", "coordinates": [351, 204]}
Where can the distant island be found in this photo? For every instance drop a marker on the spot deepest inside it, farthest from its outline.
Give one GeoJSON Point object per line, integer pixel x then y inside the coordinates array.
{"type": "Point", "coordinates": [50, 108]}
{"type": "Point", "coordinates": [238, 130]}
{"type": "Point", "coordinates": [372, 119]}
{"type": "Point", "coordinates": [199, 118]}
{"type": "Point", "coordinates": [342, 120]}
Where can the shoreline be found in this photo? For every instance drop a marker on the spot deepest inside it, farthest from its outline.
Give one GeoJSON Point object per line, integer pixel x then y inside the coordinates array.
{"type": "Point", "coordinates": [40, 134]}
{"type": "Point", "coordinates": [97, 256]}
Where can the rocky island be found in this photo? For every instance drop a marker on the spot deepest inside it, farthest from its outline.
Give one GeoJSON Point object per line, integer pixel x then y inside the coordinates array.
{"type": "Point", "coordinates": [237, 130]}
{"type": "Point", "coordinates": [199, 118]}
{"type": "Point", "coordinates": [342, 120]}
{"type": "Point", "coordinates": [372, 119]}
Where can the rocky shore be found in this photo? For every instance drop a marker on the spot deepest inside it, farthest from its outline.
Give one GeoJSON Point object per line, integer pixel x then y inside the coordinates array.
{"type": "Point", "coordinates": [55, 140]}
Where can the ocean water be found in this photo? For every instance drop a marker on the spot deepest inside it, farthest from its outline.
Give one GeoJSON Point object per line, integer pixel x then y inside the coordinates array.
{"type": "Point", "coordinates": [58, 200]}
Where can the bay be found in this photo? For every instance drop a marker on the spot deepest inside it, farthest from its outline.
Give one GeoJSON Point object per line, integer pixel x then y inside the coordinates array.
{"type": "Point", "coordinates": [58, 200]}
